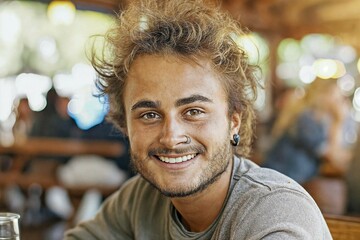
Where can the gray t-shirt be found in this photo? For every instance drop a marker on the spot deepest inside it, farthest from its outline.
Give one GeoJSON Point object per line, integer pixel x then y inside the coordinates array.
{"type": "Point", "coordinates": [261, 204]}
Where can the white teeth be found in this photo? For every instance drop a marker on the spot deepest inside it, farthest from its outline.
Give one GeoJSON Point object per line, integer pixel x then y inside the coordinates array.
{"type": "Point", "coordinates": [178, 159]}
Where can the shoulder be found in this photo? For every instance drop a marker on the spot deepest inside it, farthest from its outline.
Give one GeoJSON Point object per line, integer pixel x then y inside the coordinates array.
{"type": "Point", "coordinates": [265, 201]}
{"type": "Point", "coordinates": [260, 181]}
{"type": "Point", "coordinates": [137, 197]}
{"type": "Point", "coordinates": [251, 175]}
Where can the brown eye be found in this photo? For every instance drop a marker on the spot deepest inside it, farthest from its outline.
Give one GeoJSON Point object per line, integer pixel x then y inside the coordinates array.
{"type": "Point", "coordinates": [150, 115]}
{"type": "Point", "coordinates": [194, 112]}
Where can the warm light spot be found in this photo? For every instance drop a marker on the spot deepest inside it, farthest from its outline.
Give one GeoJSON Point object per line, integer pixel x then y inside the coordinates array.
{"type": "Point", "coordinates": [61, 12]}
{"type": "Point", "coordinates": [325, 68]}
{"type": "Point", "coordinates": [340, 69]}
{"type": "Point", "coordinates": [254, 45]}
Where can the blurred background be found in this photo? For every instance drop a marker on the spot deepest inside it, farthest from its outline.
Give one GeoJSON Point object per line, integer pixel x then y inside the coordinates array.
{"type": "Point", "coordinates": [57, 152]}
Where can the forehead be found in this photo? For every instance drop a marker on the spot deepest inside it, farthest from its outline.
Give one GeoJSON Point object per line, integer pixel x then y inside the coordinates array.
{"type": "Point", "coordinates": [166, 78]}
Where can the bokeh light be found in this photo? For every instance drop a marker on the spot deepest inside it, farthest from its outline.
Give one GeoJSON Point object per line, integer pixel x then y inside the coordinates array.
{"type": "Point", "coordinates": [319, 45]}
{"type": "Point", "coordinates": [33, 50]}
{"type": "Point", "coordinates": [86, 110]}
{"type": "Point", "coordinates": [7, 96]}
{"type": "Point", "coordinates": [347, 84]}
{"type": "Point", "coordinates": [307, 74]}
{"type": "Point", "coordinates": [287, 70]}
{"type": "Point", "coordinates": [340, 69]}
{"type": "Point", "coordinates": [289, 50]}
{"type": "Point", "coordinates": [37, 102]}
{"type": "Point", "coordinates": [325, 68]}
{"type": "Point", "coordinates": [255, 46]}
{"type": "Point", "coordinates": [61, 12]}
{"type": "Point", "coordinates": [10, 27]}
{"type": "Point", "coordinates": [346, 54]}
{"type": "Point", "coordinates": [48, 49]}
{"type": "Point", "coordinates": [30, 84]}
{"type": "Point", "coordinates": [356, 100]}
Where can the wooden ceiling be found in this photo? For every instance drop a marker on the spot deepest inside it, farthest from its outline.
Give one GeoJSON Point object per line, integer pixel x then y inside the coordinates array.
{"type": "Point", "coordinates": [296, 18]}
{"type": "Point", "coordinates": [283, 18]}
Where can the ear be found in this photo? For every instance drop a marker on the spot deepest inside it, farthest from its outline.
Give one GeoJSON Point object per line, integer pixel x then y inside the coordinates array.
{"type": "Point", "coordinates": [235, 122]}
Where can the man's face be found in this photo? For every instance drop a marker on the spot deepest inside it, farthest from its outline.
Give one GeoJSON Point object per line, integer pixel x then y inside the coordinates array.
{"type": "Point", "coordinates": [165, 100]}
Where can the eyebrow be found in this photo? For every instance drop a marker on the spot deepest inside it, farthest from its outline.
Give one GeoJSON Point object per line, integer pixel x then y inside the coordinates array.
{"type": "Point", "coordinates": [145, 104]}
{"type": "Point", "coordinates": [191, 99]}
{"type": "Point", "coordinates": [180, 102]}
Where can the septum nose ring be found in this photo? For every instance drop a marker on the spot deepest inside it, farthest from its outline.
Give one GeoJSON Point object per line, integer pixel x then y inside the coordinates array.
{"type": "Point", "coordinates": [188, 140]}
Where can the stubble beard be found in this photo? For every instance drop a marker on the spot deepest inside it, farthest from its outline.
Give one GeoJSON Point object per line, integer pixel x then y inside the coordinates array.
{"type": "Point", "coordinates": [217, 165]}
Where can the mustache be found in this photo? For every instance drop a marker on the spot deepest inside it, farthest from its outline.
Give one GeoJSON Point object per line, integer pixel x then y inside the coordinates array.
{"type": "Point", "coordinates": [189, 149]}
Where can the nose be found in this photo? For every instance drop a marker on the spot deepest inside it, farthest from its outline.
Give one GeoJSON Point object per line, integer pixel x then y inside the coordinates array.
{"type": "Point", "coordinates": [172, 133]}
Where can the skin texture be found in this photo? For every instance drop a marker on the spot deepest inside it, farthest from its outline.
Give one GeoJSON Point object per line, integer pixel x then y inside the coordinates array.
{"type": "Point", "coordinates": [166, 99]}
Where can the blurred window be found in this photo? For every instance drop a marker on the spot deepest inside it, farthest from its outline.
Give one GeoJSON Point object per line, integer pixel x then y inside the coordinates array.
{"type": "Point", "coordinates": [44, 46]}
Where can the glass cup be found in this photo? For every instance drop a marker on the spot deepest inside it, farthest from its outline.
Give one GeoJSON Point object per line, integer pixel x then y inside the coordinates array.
{"type": "Point", "coordinates": [9, 226]}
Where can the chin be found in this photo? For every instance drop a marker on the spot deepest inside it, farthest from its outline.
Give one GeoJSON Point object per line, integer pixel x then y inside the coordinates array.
{"type": "Point", "coordinates": [186, 190]}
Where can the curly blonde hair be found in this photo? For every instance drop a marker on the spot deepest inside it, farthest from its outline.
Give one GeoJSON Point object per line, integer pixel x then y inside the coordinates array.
{"type": "Point", "coordinates": [189, 29]}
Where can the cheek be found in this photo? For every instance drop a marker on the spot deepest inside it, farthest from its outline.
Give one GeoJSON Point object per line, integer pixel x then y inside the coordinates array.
{"type": "Point", "coordinates": [140, 138]}
{"type": "Point", "coordinates": [136, 138]}
{"type": "Point", "coordinates": [215, 128]}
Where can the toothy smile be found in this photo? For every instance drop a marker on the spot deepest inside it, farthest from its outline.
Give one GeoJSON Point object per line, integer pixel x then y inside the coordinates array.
{"type": "Point", "coordinates": [178, 159]}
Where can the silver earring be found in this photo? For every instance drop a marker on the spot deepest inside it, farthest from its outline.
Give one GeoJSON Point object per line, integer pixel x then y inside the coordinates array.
{"type": "Point", "coordinates": [236, 140]}
{"type": "Point", "coordinates": [188, 140]}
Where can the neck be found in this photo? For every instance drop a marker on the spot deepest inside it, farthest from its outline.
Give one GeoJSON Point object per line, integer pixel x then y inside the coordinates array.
{"type": "Point", "coordinates": [199, 211]}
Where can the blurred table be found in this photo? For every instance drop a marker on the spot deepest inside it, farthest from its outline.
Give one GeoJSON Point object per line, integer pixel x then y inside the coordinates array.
{"type": "Point", "coordinates": [31, 148]}
{"type": "Point", "coordinates": [343, 227]}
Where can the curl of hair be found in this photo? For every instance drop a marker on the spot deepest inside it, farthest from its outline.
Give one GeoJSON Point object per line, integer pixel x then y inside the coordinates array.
{"type": "Point", "coordinates": [189, 30]}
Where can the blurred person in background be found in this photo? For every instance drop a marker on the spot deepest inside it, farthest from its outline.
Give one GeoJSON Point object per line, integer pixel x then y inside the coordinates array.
{"type": "Point", "coordinates": [54, 120]}
{"type": "Point", "coordinates": [107, 131]}
{"type": "Point", "coordinates": [286, 97]}
{"type": "Point", "coordinates": [310, 132]}
{"type": "Point", "coordinates": [24, 120]}
{"type": "Point", "coordinates": [182, 90]}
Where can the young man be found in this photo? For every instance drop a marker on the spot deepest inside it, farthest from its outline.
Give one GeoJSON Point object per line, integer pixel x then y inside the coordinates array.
{"type": "Point", "coordinates": [182, 90]}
